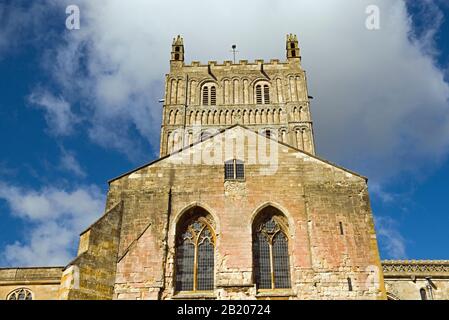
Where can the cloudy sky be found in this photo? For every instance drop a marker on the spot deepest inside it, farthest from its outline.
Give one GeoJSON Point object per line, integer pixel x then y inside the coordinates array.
{"type": "Point", "coordinates": [78, 107]}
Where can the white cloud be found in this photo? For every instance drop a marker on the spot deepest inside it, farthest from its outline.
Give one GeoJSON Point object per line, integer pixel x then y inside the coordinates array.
{"type": "Point", "coordinates": [58, 113]}
{"type": "Point", "coordinates": [390, 238]}
{"type": "Point", "coordinates": [54, 220]}
{"type": "Point", "coordinates": [377, 190]}
{"type": "Point", "coordinates": [381, 105]}
{"type": "Point", "coordinates": [69, 163]}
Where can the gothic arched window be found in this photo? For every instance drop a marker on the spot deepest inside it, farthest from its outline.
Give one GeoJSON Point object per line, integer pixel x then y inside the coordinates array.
{"type": "Point", "coordinates": [20, 294]}
{"type": "Point", "coordinates": [270, 252]}
{"type": "Point", "coordinates": [195, 256]}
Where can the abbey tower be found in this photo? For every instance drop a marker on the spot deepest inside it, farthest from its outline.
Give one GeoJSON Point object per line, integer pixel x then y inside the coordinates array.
{"type": "Point", "coordinates": [269, 98]}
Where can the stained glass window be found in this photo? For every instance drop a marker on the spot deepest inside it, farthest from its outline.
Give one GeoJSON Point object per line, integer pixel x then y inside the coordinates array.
{"type": "Point", "coordinates": [195, 257]}
{"type": "Point", "coordinates": [280, 261]}
{"type": "Point", "coordinates": [21, 294]}
{"type": "Point", "coordinates": [270, 255]}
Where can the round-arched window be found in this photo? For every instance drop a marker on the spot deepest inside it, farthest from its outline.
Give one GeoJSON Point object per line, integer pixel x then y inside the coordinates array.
{"type": "Point", "coordinates": [209, 94]}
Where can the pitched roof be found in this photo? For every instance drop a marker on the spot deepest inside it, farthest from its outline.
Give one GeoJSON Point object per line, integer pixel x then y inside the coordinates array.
{"type": "Point", "coordinates": [226, 129]}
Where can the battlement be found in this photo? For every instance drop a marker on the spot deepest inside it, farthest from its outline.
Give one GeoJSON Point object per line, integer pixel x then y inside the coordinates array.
{"type": "Point", "coordinates": [292, 53]}
{"type": "Point", "coordinates": [227, 63]}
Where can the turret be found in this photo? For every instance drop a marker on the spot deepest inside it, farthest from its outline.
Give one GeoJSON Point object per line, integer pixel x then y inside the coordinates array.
{"type": "Point", "coordinates": [177, 52]}
{"type": "Point", "coordinates": [293, 52]}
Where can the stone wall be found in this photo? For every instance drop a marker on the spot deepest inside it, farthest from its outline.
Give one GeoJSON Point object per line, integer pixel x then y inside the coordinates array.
{"type": "Point", "coordinates": [314, 195]}
{"type": "Point", "coordinates": [91, 275]}
{"type": "Point", "coordinates": [404, 280]}
{"type": "Point", "coordinates": [42, 282]}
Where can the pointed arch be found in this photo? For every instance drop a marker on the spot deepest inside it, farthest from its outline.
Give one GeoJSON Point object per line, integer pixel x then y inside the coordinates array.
{"type": "Point", "coordinates": [271, 255]}
{"type": "Point", "coordinates": [195, 243]}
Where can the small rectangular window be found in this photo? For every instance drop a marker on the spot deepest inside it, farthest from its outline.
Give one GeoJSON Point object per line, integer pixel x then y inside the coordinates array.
{"type": "Point", "coordinates": [234, 169]}
{"type": "Point", "coordinates": [229, 170]}
{"type": "Point", "coordinates": [341, 227]}
{"type": "Point", "coordinates": [349, 284]}
{"type": "Point", "coordinates": [239, 170]}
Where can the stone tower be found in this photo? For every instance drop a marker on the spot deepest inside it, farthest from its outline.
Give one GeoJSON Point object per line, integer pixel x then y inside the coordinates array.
{"type": "Point", "coordinates": [267, 97]}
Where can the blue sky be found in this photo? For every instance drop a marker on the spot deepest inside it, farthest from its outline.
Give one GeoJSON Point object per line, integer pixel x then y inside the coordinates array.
{"type": "Point", "coordinates": [80, 107]}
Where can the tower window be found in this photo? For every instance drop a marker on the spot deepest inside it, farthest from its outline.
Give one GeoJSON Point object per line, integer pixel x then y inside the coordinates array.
{"type": "Point", "coordinates": [266, 94]}
{"type": "Point", "coordinates": [195, 256]}
{"type": "Point", "coordinates": [259, 94]}
{"type": "Point", "coordinates": [209, 97]}
{"type": "Point", "coordinates": [176, 56]}
{"type": "Point", "coordinates": [205, 96]}
{"type": "Point", "coordinates": [177, 49]}
{"type": "Point", "coordinates": [293, 53]}
{"type": "Point", "coordinates": [213, 96]}
{"type": "Point", "coordinates": [262, 94]}
{"type": "Point", "coordinates": [270, 254]}
{"type": "Point", "coordinates": [349, 284]}
{"type": "Point", "coordinates": [234, 169]}
{"type": "Point", "coordinates": [292, 45]}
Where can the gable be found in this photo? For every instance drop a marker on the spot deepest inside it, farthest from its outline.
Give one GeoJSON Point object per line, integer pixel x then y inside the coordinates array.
{"type": "Point", "coordinates": [239, 142]}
